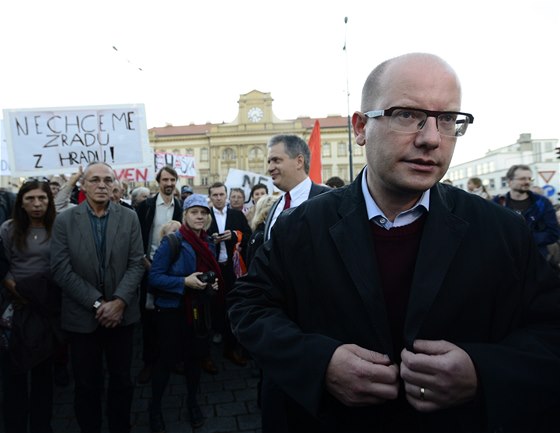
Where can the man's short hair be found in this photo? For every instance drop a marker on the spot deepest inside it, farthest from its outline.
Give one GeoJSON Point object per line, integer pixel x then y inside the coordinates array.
{"type": "Point", "coordinates": [511, 172]}
{"type": "Point", "coordinates": [294, 146]}
{"type": "Point", "coordinates": [335, 182]}
{"type": "Point", "coordinates": [216, 185]}
{"type": "Point", "coordinates": [258, 186]}
{"type": "Point", "coordinates": [168, 169]}
{"type": "Point", "coordinates": [241, 190]}
{"type": "Point", "coordinates": [91, 164]}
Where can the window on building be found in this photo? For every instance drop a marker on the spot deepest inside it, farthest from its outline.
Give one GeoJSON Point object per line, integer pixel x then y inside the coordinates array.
{"type": "Point", "coordinates": [204, 177]}
{"type": "Point", "coordinates": [491, 183]}
{"type": "Point", "coordinates": [327, 172]}
{"type": "Point", "coordinates": [256, 154]}
{"type": "Point", "coordinates": [228, 154]}
{"type": "Point", "coordinates": [204, 154]}
{"type": "Point", "coordinates": [504, 182]}
{"type": "Point", "coordinates": [342, 149]}
{"type": "Point", "coordinates": [176, 151]}
{"type": "Point", "coordinates": [326, 150]}
{"type": "Point", "coordinates": [189, 151]}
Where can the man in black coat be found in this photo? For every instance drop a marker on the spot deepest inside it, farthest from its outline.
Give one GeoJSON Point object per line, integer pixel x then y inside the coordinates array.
{"type": "Point", "coordinates": [228, 228]}
{"type": "Point", "coordinates": [399, 304]}
{"type": "Point", "coordinates": [289, 159]}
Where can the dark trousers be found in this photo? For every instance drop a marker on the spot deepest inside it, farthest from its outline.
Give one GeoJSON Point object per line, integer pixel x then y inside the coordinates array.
{"type": "Point", "coordinates": [28, 397]}
{"type": "Point", "coordinates": [147, 319]}
{"type": "Point", "coordinates": [176, 342]}
{"type": "Point", "coordinates": [86, 353]}
{"type": "Point", "coordinates": [219, 313]}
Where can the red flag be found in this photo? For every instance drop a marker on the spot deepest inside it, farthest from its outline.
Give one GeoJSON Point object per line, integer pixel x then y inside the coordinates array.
{"type": "Point", "coordinates": [315, 168]}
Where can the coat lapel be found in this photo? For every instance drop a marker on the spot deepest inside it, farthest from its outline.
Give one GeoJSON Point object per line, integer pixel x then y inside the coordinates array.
{"type": "Point", "coordinates": [442, 236]}
{"type": "Point", "coordinates": [352, 237]}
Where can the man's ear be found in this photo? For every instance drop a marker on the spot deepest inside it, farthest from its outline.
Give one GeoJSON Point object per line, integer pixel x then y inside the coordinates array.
{"type": "Point", "coordinates": [300, 161]}
{"type": "Point", "coordinates": [359, 125]}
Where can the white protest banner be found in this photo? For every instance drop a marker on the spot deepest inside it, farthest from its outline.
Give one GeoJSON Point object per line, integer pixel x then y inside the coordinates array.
{"type": "Point", "coordinates": [246, 180]}
{"type": "Point", "coordinates": [58, 140]}
{"type": "Point", "coordinates": [184, 165]}
{"type": "Point", "coordinates": [4, 164]}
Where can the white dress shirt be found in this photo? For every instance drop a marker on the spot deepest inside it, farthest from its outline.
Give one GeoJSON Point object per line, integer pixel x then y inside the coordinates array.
{"type": "Point", "coordinates": [402, 219]}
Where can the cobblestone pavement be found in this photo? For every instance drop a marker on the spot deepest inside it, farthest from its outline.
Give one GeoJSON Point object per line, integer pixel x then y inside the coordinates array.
{"type": "Point", "coordinates": [227, 399]}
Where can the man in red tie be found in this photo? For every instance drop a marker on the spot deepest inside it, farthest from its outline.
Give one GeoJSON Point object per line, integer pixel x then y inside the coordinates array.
{"type": "Point", "coordinates": [288, 165]}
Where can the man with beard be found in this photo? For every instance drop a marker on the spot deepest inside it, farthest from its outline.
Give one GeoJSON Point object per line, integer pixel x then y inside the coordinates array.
{"type": "Point", "coordinates": [153, 213]}
{"type": "Point", "coordinates": [534, 208]}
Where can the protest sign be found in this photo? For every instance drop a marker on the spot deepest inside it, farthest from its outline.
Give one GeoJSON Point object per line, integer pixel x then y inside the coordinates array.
{"type": "Point", "coordinates": [144, 174]}
{"type": "Point", "coordinates": [58, 140]}
{"type": "Point", "coordinates": [184, 165]}
{"type": "Point", "coordinates": [246, 180]}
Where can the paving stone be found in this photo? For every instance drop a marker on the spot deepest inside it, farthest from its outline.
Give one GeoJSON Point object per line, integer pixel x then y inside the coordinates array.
{"type": "Point", "coordinates": [227, 400]}
{"type": "Point", "coordinates": [231, 409]}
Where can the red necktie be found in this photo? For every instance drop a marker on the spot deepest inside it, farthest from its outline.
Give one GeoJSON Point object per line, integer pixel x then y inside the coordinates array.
{"type": "Point", "coordinates": [287, 201]}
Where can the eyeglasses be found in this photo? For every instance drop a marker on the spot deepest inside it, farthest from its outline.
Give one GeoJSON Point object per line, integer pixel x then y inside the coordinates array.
{"type": "Point", "coordinates": [412, 120]}
{"type": "Point", "coordinates": [524, 179]}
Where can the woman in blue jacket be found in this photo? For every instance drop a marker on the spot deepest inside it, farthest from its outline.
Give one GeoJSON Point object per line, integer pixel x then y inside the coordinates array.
{"type": "Point", "coordinates": [180, 295]}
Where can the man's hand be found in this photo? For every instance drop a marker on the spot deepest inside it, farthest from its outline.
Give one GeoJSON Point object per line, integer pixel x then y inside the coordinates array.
{"type": "Point", "coordinates": [444, 372]}
{"type": "Point", "coordinates": [225, 236]}
{"type": "Point", "coordinates": [147, 264]}
{"type": "Point", "coordinates": [110, 314]}
{"type": "Point", "coordinates": [360, 377]}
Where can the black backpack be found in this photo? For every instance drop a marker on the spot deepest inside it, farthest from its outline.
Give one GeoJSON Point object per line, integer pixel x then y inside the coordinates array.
{"type": "Point", "coordinates": [175, 245]}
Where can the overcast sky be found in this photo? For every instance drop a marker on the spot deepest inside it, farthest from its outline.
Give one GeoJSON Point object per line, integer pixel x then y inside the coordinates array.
{"type": "Point", "coordinates": [197, 57]}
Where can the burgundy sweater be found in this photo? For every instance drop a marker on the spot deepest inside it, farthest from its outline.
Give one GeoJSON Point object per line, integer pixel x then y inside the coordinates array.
{"type": "Point", "coordinates": [396, 250]}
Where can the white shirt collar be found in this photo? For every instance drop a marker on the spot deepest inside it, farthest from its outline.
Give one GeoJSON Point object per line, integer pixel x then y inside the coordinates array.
{"type": "Point", "coordinates": [404, 218]}
{"type": "Point", "coordinates": [300, 192]}
{"type": "Point", "coordinates": [160, 201]}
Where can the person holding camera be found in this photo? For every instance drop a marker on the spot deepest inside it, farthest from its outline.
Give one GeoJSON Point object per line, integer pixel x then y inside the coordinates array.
{"type": "Point", "coordinates": [183, 281]}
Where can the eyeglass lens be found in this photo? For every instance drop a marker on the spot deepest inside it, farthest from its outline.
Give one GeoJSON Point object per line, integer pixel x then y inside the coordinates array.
{"type": "Point", "coordinates": [449, 124]}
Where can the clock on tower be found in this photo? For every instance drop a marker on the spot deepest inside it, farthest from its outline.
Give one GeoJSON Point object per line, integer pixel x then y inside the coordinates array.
{"type": "Point", "coordinates": [255, 114]}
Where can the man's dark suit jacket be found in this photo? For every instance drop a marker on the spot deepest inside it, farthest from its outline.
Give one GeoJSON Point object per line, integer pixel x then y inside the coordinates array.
{"type": "Point", "coordinates": [235, 220]}
{"type": "Point", "coordinates": [146, 212]}
{"type": "Point", "coordinates": [479, 282]}
{"type": "Point", "coordinates": [315, 190]}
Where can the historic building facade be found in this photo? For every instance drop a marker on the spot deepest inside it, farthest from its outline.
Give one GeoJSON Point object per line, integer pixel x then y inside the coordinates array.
{"type": "Point", "coordinates": [241, 144]}
{"type": "Point", "coordinates": [539, 154]}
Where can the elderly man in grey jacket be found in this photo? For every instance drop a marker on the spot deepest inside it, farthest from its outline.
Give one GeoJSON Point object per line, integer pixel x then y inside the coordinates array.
{"type": "Point", "coordinates": [97, 261]}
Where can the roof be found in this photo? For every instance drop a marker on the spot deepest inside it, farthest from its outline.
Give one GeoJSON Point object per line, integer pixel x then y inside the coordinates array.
{"type": "Point", "coordinates": [192, 129]}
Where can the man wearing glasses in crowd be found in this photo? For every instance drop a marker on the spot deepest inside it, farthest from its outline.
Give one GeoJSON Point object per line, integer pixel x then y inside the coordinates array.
{"type": "Point", "coordinates": [400, 304]}
{"type": "Point", "coordinates": [98, 270]}
{"type": "Point", "coordinates": [536, 209]}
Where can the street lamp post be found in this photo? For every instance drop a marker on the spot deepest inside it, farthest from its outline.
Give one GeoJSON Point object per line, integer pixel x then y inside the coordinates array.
{"type": "Point", "coordinates": [351, 166]}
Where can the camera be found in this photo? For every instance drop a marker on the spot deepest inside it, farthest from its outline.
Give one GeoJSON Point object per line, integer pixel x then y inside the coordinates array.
{"type": "Point", "coordinates": [207, 277]}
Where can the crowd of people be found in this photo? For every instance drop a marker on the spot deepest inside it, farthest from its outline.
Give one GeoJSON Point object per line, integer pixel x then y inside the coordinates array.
{"type": "Point", "coordinates": [397, 303]}
{"type": "Point", "coordinates": [166, 259]}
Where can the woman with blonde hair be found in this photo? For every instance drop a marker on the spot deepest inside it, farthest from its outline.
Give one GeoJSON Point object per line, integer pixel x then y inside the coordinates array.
{"type": "Point", "coordinates": [182, 278]}
{"type": "Point", "coordinates": [257, 225]}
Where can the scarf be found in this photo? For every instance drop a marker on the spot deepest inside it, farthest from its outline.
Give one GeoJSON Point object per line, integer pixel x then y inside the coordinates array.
{"type": "Point", "coordinates": [205, 260]}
